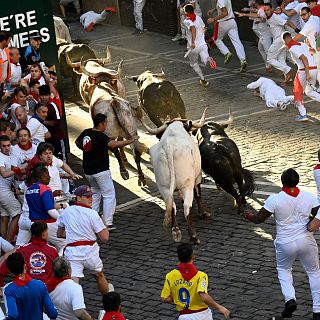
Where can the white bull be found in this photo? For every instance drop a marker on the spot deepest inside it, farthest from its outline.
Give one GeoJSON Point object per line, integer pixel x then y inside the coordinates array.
{"type": "Point", "coordinates": [177, 166]}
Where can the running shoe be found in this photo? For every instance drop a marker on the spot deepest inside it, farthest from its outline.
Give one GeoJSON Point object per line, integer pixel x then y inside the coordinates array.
{"type": "Point", "coordinates": [177, 37]}
{"type": "Point", "coordinates": [204, 83]}
{"type": "Point", "coordinates": [283, 105]}
{"type": "Point", "coordinates": [289, 308]}
{"type": "Point", "coordinates": [301, 118]}
{"type": "Point", "coordinates": [244, 66]}
{"type": "Point", "coordinates": [112, 227]}
{"type": "Point", "coordinates": [212, 63]}
{"type": "Point", "coordinates": [227, 57]}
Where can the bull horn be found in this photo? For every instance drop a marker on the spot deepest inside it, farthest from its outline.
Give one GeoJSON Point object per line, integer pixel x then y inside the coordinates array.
{"type": "Point", "coordinates": [153, 131]}
{"type": "Point", "coordinates": [133, 78]}
{"type": "Point", "coordinates": [228, 122]}
{"type": "Point", "coordinates": [83, 69]}
{"type": "Point", "coordinates": [200, 124]}
{"type": "Point", "coordinates": [120, 68]}
{"type": "Point", "coordinates": [72, 64]}
{"type": "Point", "coordinates": [108, 55]}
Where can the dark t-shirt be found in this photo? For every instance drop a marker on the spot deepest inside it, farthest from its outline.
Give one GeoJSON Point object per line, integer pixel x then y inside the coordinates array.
{"type": "Point", "coordinates": [94, 145]}
{"type": "Point", "coordinates": [56, 130]}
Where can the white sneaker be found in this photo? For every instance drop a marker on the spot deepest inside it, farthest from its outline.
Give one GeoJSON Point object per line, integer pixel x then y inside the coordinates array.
{"type": "Point", "coordinates": [111, 287]}
{"type": "Point", "coordinates": [177, 37]}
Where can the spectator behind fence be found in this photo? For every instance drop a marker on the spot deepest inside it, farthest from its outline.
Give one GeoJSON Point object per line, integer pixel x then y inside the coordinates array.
{"type": "Point", "coordinates": [5, 38]}
{"type": "Point", "coordinates": [66, 294]}
{"type": "Point", "coordinates": [24, 297]}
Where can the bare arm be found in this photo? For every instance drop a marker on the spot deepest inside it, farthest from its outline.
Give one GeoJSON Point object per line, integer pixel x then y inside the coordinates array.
{"type": "Point", "coordinates": [249, 15]}
{"type": "Point", "coordinates": [82, 314]}
{"type": "Point", "coordinates": [224, 13]}
{"type": "Point", "coordinates": [289, 13]}
{"type": "Point", "coordinates": [118, 144]}
{"type": "Point", "coordinates": [6, 173]}
{"type": "Point", "coordinates": [291, 25]}
{"type": "Point", "coordinates": [297, 37]}
{"type": "Point", "coordinates": [193, 36]}
{"type": "Point", "coordinates": [72, 174]}
{"type": "Point", "coordinates": [305, 62]}
{"type": "Point", "coordinates": [47, 135]}
{"type": "Point", "coordinates": [103, 235]}
{"type": "Point", "coordinates": [167, 300]}
{"type": "Point", "coordinates": [261, 216]}
{"type": "Point", "coordinates": [207, 299]}
{"type": "Point", "coordinates": [61, 232]}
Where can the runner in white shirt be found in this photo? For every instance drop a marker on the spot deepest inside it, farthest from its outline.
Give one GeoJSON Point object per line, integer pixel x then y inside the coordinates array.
{"type": "Point", "coordinates": [271, 93]}
{"type": "Point", "coordinates": [81, 225]}
{"type": "Point", "coordinates": [291, 209]}
{"type": "Point", "coordinates": [10, 208]}
{"type": "Point", "coordinates": [291, 10]}
{"type": "Point", "coordinates": [138, 6]}
{"type": "Point", "coordinates": [276, 55]}
{"type": "Point", "coordinates": [89, 19]}
{"type": "Point", "coordinates": [35, 125]}
{"type": "Point", "coordinates": [16, 71]}
{"type": "Point", "coordinates": [228, 26]}
{"type": "Point", "coordinates": [66, 295]}
{"type": "Point", "coordinates": [261, 29]}
{"type": "Point", "coordinates": [196, 43]}
{"type": "Point", "coordinates": [306, 76]}
{"type": "Point", "coordinates": [309, 30]}
{"type": "Point", "coordinates": [316, 174]}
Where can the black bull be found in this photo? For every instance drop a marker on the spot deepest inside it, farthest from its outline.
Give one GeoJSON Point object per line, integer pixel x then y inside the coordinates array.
{"type": "Point", "coordinates": [220, 158]}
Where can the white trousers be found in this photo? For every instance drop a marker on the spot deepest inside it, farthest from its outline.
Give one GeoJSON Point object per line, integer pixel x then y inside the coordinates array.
{"type": "Point", "coordinates": [137, 12]}
{"type": "Point", "coordinates": [264, 43]}
{"type": "Point", "coordinates": [193, 56]}
{"type": "Point", "coordinates": [58, 243]}
{"type": "Point", "coordinates": [230, 28]}
{"type": "Point", "coordinates": [316, 57]}
{"type": "Point", "coordinates": [277, 57]}
{"type": "Point", "coordinates": [306, 251]}
{"type": "Point", "coordinates": [202, 315]}
{"type": "Point", "coordinates": [102, 187]}
{"type": "Point", "coordinates": [24, 234]}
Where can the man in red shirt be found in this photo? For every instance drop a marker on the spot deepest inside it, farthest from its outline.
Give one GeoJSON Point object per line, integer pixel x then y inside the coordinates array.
{"type": "Point", "coordinates": [38, 255]}
{"type": "Point", "coordinates": [314, 7]}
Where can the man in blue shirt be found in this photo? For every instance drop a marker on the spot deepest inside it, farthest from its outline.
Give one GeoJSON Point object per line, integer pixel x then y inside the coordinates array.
{"type": "Point", "coordinates": [24, 297]}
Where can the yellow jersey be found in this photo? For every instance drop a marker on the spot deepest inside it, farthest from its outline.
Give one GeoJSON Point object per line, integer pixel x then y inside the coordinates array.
{"type": "Point", "coordinates": [185, 293]}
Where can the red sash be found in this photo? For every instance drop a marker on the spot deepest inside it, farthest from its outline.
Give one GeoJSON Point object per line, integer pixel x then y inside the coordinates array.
{"type": "Point", "coordinates": [297, 89]}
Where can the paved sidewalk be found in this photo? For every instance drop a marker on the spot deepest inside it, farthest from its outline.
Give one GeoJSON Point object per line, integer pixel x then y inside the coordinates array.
{"type": "Point", "coordinates": [238, 256]}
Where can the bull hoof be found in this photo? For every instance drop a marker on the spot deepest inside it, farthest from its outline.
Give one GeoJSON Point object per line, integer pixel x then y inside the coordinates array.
{"type": "Point", "coordinates": [194, 240]}
{"type": "Point", "coordinates": [205, 214]}
{"type": "Point", "coordinates": [142, 181]}
{"type": "Point", "coordinates": [124, 174]}
{"type": "Point", "coordinates": [176, 234]}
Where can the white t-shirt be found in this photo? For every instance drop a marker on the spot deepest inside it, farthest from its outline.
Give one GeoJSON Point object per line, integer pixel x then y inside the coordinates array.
{"type": "Point", "coordinates": [5, 162]}
{"type": "Point", "coordinates": [276, 24]}
{"type": "Point", "coordinates": [42, 80]}
{"type": "Point", "coordinates": [16, 73]}
{"type": "Point", "coordinates": [55, 180]}
{"type": "Point", "coordinates": [19, 156]}
{"type": "Point", "coordinates": [5, 245]}
{"type": "Point", "coordinates": [80, 224]}
{"type": "Point", "coordinates": [316, 174]}
{"type": "Point", "coordinates": [227, 4]}
{"type": "Point", "coordinates": [311, 27]}
{"type": "Point", "coordinates": [296, 51]}
{"type": "Point", "coordinates": [67, 297]}
{"type": "Point", "coordinates": [199, 25]}
{"type": "Point", "coordinates": [299, 6]}
{"type": "Point", "coordinates": [37, 130]}
{"type": "Point", "coordinates": [4, 65]}
{"type": "Point", "coordinates": [295, 19]}
{"type": "Point", "coordinates": [291, 214]}
{"type": "Point", "coordinates": [18, 124]}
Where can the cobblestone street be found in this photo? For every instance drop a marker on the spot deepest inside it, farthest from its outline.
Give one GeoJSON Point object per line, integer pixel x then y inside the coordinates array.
{"type": "Point", "coordinates": [238, 256]}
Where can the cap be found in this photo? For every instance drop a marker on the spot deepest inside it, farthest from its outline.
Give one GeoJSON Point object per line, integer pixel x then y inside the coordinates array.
{"type": "Point", "coordinates": [35, 35]}
{"type": "Point", "coordinates": [83, 191]}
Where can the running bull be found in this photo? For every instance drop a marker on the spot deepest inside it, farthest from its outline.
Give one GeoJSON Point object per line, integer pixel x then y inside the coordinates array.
{"type": "Point", "coordinates": [158, 97]}
{"type": "Point", "coordinates": [75, 52]}
{"type": "Point", "coordinates": [102, 89]}
{"type": "Point", "coordinates": [177, 166]}
{"type": "Point", "coordinates": [220, 158]}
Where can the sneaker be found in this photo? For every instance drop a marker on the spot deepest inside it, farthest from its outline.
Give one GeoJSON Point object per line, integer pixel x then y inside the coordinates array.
{"type": "Point", "coordinates": [177, 37]}
{"type": "Point", "coordinates": [111, 227]}
{"type": "Point", "coordinates": [111, 287]}
{"type": "Point", "coordinates": [244, 66]}
{"type": "Point", "coordinates": [90, 27]}
{"type": "Point", "coordinates": [212, 63]}
{"type": "Point", "coordinates": [301, 118]}
{"type": "Point", "coordinates": [289, 307]}
{"type": "Point", "coordinates": [204, 83]}
{"type": "Point", "coordinates": [227, 57]}
{"type": "Point", "coordinates": [283, 105]}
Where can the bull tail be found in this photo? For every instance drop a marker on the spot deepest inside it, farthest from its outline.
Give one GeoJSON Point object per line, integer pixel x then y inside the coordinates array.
{"type": "Point", "coordinates": [169, 201]}
{"type": "Point", "coordinates": [249, 186]}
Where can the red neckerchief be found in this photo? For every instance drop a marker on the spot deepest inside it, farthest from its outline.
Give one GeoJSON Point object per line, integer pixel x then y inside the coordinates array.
{"type": "Point", "coordinates": [15, 63]}
{"type": "Point", "coordinates": [187, 270]}
{"type": "Point", "coordinates": [268, 17]}
{"type": "Point", "coordinates": [53, 282]}
{"type": "Point", "coordinates": [21, 280]}
{"type": "Point", "coordinates": [191, 16]}
{"type": "Point", "coordinates": [293, 192]}
{"type": "Point", "coordinates": [317, 167]}
{"type": "Point", "coordinates": [38, 241]}
{"type": "Point", "coordinates": [49, 164]}
{"type": "Point", "coordinates": [34, 96]}
{"type": "Point", "coordinates": [27, 147]}
{"type": "Point", "coordinates": [293, 43]}
{"type": "Point", "coordinates": [82, 205]}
